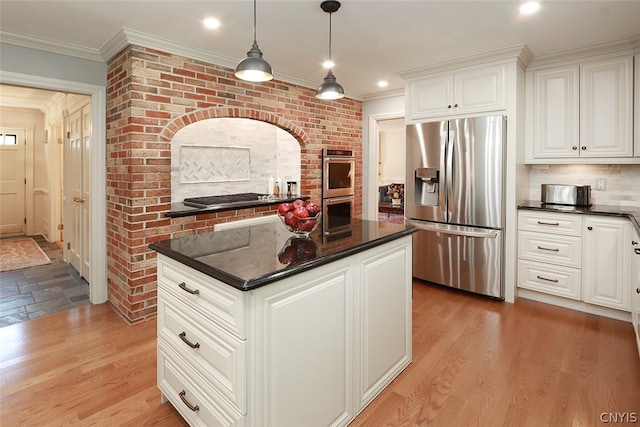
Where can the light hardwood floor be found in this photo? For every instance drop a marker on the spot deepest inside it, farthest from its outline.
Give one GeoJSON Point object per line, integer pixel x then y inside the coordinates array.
{"type": "Point", "coordinates": [475, 362]}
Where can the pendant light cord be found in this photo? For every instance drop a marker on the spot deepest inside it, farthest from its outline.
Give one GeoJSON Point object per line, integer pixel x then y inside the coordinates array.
{"type": "Point", "coordinates": [330, 57]}
{"type": "Point", "coordinates": [254, 22]}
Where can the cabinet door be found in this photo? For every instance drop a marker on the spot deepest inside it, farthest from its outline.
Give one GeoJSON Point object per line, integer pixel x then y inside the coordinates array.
{"type": "Point", "coordinates": [303, 349]}
{"type": "Point", "coordinates": [636, 116]}
{"type": "Point", "coordinates": [479, 90]}
{"type": "Point", "coordinates": [556, 113]}
{"type": "Point", "coordinates": [606, 262]}
{"type": "Point", "coordinates": [606, 109]}
{"type": "Point", "coordinates": [385, 331]}
{"type": "Point", "coordinates": [635, 286]}
{"type": "Point", "coordinates": [429, 97]}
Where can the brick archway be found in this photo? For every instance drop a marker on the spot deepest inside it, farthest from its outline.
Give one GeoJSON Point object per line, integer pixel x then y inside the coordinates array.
{"type": "Point", "coordinates": [175, 125]}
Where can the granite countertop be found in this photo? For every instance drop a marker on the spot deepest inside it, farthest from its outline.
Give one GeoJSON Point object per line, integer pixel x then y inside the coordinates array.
{"type": "Point", "coordinates": [253, 256]}
{"type": "Point", "coordinates": [630, 212]}
{"type": "Point", "coordinates": [179, 209]}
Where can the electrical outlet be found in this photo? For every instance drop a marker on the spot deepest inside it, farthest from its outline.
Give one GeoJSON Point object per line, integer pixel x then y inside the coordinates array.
{"type": "Point", "coordinates": [601, 184]}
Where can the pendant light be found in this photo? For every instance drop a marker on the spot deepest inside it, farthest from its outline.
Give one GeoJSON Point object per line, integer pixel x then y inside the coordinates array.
{"type": "Point", "coordinates": [254, 68]}
{"type": "Point", "coordinates": [330, 88]}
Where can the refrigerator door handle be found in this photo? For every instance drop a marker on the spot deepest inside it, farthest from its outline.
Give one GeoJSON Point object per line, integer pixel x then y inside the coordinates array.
{"type": "Point", "coordinates": [454, 229]}
{"type": "Point", "coordinates": [449, 170]}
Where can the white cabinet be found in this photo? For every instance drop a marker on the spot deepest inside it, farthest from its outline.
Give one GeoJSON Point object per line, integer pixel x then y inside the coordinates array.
{"type": "Point", "coordinates": [635, 286]}
{"type": "Point", "coordinates": [311, 349]}
{"type": "Point", "coordinates": [578, 257]}
{"type": "Point", "coordinates": [550, 253]}
{"type": "Point", "coordinates": [606, 108]}
{"type": "Point", "coordinates": [606, 263]}
{"type": "Point", "coordinates": [581, 111]}
{"type": "Point", "coordinates": [472, 90]}
{"type": "Point", "coordinates": [555, 105]}
{"type": "Point", "coordinates": [636, 118]}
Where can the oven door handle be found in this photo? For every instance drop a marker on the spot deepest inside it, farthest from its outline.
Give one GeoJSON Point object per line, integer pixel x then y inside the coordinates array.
{"type": "Point", "coordinates": [454, 229]}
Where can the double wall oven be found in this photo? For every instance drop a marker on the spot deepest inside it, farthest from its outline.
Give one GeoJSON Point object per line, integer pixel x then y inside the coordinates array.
{"type": "Point", "coordinates": [338, 190]}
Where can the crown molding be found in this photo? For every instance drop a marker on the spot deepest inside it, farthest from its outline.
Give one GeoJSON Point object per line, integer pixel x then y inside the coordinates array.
{"type": "Point", "coordinates": [617, 47]}
{"type": "Point", "coordinates": [48, 46]}
{"type": "Point", "coordinates": [520, 52]}
{"type": "Point", "coordinates": [384, 95]}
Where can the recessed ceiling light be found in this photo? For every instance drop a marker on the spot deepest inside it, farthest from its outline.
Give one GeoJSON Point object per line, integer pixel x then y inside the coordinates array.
{"type": "Point", "coordinates": [529, 8]}
{"type": "Point", "coordinates": [383, 83]}
{"type": "Point", "coordinates": [211, 23]}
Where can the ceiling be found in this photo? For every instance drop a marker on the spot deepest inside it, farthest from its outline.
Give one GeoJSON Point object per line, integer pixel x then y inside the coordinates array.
{"type": "Point", "coordinates": [372, 40]}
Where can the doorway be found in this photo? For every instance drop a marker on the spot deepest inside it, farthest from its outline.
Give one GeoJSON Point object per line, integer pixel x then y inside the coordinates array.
{"type": "Point", "coordinates": [12, 182]}
{"type": "Point", "coordinates": [97, 204]}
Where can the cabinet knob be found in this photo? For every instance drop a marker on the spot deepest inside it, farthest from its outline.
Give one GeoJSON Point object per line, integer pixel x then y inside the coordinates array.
{"type": "Point", "coordinates": [449, 106]}
{"type": "Point", "coordinates": [637, 290]}
{"type": "Point", "coordinates": [633, 242]}
{"type": "Point", "coordinates": [455, 105]}
{"type": "Point", "coordinates": [589, 228]}
{"type": "Point", "coordinates": [584, 147]}
{"type": "Point", "coordinates": [575, 147]}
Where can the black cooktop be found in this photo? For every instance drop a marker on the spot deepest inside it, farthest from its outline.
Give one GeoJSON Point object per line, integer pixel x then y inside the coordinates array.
{"type": "Point", "coordinates": [210, 201]}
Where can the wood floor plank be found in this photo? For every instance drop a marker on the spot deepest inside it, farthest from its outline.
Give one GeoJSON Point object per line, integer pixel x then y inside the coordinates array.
{"type": "Point", "coordinates": [476, 362]}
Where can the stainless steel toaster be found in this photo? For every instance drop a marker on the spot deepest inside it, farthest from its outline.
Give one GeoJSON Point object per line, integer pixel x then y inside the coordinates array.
{"type": "Point", "coordinates": [572, 195]}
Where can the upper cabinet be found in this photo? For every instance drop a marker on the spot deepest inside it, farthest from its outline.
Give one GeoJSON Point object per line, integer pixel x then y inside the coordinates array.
{"type": "Point", "coordinates": [581, 112]}
{"type": "Point", "coordinates": [636, 150]}
{"type": "Point", "coordinates": [471, 90]}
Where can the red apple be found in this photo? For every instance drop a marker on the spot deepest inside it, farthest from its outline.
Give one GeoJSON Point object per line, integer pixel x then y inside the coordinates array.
{"type": "Point", "coordinates": [297, 203]}
{"type": "Point", "coordinates": [306, 224]}
{"type": "Point", "coordinates": [288, 255]}
{"type": "Point", "coordinates": [312, 208]}
{"type": "Point", "coordinates": [290, 219]}
{"type": "Point", "coordinates": [284, 208]}
{"type": "Point", "coordinates": [301, 212]}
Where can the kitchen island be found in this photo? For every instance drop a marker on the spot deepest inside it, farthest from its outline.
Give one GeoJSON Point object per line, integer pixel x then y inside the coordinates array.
{"type": "Point", "coordinates": [258, 328]}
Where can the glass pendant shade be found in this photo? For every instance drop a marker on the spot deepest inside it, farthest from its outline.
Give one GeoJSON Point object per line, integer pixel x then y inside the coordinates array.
{"type": "Point", "coordinates": [330, 88]}
{"type": "Point", "coordinates": [254, 68]}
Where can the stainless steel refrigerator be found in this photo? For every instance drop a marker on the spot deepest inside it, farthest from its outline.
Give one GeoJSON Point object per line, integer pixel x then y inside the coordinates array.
{"type": "Point", "coordinates": [455, 196]}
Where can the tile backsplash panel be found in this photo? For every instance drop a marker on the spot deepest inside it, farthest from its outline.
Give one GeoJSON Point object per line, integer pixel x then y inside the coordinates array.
{"type": "Point", "coordinates": [623, 181]}
{"type": "Point", "coordinates": [230, 155]}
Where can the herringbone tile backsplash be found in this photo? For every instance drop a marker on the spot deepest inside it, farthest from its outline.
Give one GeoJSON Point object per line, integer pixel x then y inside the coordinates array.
{"type": "Point", "coordinates": [623, 181]}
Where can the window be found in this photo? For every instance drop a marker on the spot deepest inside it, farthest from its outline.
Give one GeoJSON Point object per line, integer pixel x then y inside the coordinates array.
{"type": "Point", "coordinates": [8, 139]}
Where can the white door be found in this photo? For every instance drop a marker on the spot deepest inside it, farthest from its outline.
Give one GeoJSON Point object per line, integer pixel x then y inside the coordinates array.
{"type": "Point", "coordinates": [12, 181]}
{"type": "Point", "coordinates": [76, 191]}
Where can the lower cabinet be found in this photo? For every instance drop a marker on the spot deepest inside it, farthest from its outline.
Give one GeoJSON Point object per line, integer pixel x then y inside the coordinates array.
{"type": "Point", "coordinates": [606, 265]}
{"type": "Point", "coordinates": [577, 257]}
{"type": "Point", "coordinates": [635, 285]}
{"type": "Point", "coordinates": [313, 349]}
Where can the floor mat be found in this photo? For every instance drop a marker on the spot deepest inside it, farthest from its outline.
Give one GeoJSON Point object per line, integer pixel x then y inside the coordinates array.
{"type": "Point", "coordinates": [21, 253]}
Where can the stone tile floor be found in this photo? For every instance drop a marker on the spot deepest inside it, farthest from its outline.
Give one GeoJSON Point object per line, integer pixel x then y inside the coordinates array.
{"type": "Point", "coordinates": [37, 291]}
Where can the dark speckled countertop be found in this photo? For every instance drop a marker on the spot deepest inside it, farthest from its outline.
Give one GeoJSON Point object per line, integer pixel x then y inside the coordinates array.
{"type": "Point", "coordinates": [632, 213]}
{"type": "Point", "coordinates": [179, 209]}
{"type": "Point", "coordinates": [253, 256]}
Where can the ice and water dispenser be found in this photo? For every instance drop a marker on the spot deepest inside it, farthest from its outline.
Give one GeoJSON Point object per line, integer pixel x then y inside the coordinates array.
{"type": "Point", "coordinates": [426, 186]}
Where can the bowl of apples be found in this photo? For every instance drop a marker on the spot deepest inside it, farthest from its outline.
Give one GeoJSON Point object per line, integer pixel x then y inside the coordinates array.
{"type": "Point", "coordinates": [300, 217]}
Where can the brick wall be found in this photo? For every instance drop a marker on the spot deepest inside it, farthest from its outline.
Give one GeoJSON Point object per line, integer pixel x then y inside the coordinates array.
{"type": "Point", "coordinates": [150, 96]}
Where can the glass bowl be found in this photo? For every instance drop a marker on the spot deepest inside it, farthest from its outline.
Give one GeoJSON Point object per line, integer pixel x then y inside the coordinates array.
{"type": "Point", "coordinates": [301, 227]}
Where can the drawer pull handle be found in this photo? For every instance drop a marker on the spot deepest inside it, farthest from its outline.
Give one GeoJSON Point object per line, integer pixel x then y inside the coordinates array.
{"type": "Point", "coordinates": [636, 250]}
{"type": "Point", "coordinates": [183, 286]}
{"type": "Point", "coordinates": [548, 280]}
{"type": "Point", "coordinates": [548, 223]}
{"type": "Point", "coordinates": [183, 337]}
{"type": "Point", "coordinates": [186, 402]}
{"type": "Point", "coordinates": [637, 290]}
{"type": "Point", "coordinates": [633, 242]}
{"type": "Point", "coordinates": [548, 249]}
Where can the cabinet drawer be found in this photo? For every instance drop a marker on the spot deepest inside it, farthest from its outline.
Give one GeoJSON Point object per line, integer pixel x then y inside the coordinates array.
{"type": "Point", "coordinates": [218, 356]}
{"type": "Point", "coordinates": [203, 294]}
{"type": "Point", "coordinates": [551, 248]}
{"type": "Point", "coordinates": [544, 222]}
{"type": "Point", "coordinates": [196, 406]}
{"type": "Point", "coordinates": [550, 279]}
